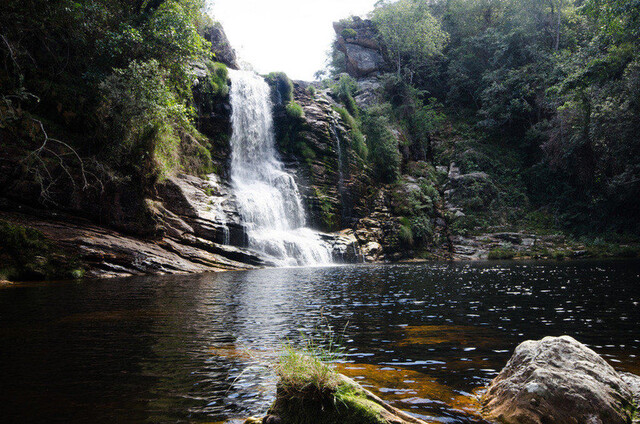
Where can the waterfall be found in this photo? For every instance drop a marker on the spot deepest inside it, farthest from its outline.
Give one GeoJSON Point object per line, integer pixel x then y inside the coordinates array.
{"type": "Point", "coordinates": [341, 191]}
{"type": "Point", "coordinates": [268, 198]}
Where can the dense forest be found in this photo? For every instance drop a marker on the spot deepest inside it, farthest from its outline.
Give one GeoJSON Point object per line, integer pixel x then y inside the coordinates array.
{"type": "Point", "coordinates": [111, 81]}
{"type": "Point", "coordinates": [541, 95]}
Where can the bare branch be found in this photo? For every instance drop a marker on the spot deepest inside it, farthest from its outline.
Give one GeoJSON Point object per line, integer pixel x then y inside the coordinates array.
{"type": "Point", "coordinates": [71, 149]}
{"type": "Point", "coordinates": [11, 53]}
{"type": "Point", "coordinates": [41, 171]}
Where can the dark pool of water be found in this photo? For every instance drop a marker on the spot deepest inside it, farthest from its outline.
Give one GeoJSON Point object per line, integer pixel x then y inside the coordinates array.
{"type": "Point", "coordinates": [197, 348]}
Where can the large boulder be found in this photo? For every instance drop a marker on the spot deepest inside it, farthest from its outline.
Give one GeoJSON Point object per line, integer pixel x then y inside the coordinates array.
{"type": "Point", "coordinates": [220, 45]}
{"type": "Point", "coordinates": [362, 61]}
{"type": "Point", "coordinates": [358, 40]}
{"type": "Point", "coordinates": [561, 381]}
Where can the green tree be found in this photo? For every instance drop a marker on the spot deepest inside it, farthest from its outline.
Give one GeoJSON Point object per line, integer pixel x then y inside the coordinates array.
{"type": "Point", "coordinates": [383, 147]}
{"type": "Point", "coordinates": [409, 32]}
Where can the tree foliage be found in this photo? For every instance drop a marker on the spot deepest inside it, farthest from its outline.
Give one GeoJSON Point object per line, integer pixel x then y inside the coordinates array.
{"type": "Point", "coordinates": [543, 95]}
{"type": "Point", "coordinates": [409, 32]}
{"type": "Point", "coordinates": [112, 77]}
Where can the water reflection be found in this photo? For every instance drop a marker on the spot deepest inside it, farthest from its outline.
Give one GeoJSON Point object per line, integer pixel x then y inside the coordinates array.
{"type": "Point", "coordinates": [197, 348]}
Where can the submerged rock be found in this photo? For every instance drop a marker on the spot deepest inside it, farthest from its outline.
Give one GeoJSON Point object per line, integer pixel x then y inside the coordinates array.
{"type": "Point", "coordinates": [558, 380]}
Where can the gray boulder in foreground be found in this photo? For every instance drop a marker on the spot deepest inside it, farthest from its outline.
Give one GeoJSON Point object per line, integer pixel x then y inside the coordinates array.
{"type": "Point", "coordinates": [558, 380]}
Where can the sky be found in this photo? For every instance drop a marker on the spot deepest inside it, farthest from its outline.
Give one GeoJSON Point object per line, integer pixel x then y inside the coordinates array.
{"type": "Point", "coordinates": [292, 36]}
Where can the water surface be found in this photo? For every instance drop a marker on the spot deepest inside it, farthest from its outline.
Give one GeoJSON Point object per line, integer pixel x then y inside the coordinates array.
{"type": "Point", "coordinates": [196, 348]}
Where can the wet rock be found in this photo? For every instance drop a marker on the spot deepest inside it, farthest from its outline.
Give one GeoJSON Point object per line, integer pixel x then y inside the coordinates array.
{"type": "Point", "coordinates": [372, 251]}
{"type": "Point", "coordinates": [634, 385]}
{"type": "Point", "coordinates": [344, 245]}
{"type": "Point", "coordinates": [316, 150]}
{"type": "Point", "coordinates": [107, 253]}
{"type": "Point", "coordinates": [558, 380]}
{"type": "Point", "coordinates": [464, 250]}
{"type": "Point", "coordinates": [514, 238]}
{"type": "Point", "coordinates": [206, 205]}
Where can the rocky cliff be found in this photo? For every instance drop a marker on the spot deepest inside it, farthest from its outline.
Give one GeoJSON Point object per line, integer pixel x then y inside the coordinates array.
{"type": "Point", "coordinates": [317, 148]}
{"type": "Point", "coordinates": [222, 49]}
{"type": "Point", "coordinates": [337, 184]}
{"type": "Point", "coordinates": [357, 40]}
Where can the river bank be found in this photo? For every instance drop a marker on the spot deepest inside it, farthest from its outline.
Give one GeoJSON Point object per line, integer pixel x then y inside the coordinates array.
{"type": "Point", "coordinates": [81, 248]}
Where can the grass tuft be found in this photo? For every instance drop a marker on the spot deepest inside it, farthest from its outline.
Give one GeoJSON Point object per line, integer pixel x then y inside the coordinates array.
{"type": "Point", "coordinates": [501, 253]}
{"type": "Point", "coordinates": [311, 392]}
{"type": "Point", "coordinates": [304, 376]}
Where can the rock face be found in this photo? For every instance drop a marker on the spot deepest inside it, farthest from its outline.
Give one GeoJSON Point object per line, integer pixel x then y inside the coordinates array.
{"type": "Point", "coordinates": [369, 93]}
{"type": "Point", "coordinates": [221, 46]}
{"type": "Point", "coordinates": [197, 225]}
{"type": "Point", "coordinates": [357, 39]}
{"type": "Point", "coordinates": [561, 381]}
{"type": "Point", "coordinates": [316, 148]}
{"type": "Point", "coordinates": [377, 232]}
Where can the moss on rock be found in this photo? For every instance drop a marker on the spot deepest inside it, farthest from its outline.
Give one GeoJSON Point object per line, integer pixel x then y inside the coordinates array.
{"type": "Point", "coordinates": [26, 254]}
{"type": "Point", "coordinates": [311, 392]}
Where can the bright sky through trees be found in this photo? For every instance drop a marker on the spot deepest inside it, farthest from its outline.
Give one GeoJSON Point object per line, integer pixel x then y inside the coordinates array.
{"type": "Point", "coordinates": [284, 35]}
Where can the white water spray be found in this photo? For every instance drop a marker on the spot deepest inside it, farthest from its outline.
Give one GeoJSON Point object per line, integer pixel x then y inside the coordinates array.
{"type": "Point", "coordinates": [268, 197]}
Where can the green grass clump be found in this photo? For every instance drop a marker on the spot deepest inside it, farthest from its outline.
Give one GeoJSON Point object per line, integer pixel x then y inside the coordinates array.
{"type": "Point", "coordinates": [625, 252]}
{"type": "Point", "coordinates": [358, 142]}
{"type": "Point", "coordinates": [217, 82]}
{"type": "Point", "coordinates": [560, 255]}
{"type": "Point", "coordinates": [294, 110]}
{"type": "Point", "coordinates": [311, 392]}
{"type": "Point", "coordinates": [501, 253]}
{"type": "Point", "coordinates": [304, 376]}
{"type": "Point", "coordinates": [282, 86]}
{"type": "Point", "coordinates": [349, 33]}
{"type": "Point", "coordinates": [405, 232]}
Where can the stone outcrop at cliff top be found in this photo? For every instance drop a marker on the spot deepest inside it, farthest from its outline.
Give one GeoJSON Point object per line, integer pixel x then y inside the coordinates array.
{"type": "Point", "coordinates": [559, 380]}
{"type": "Point", "coordinates": [221, 46]}
{"type": "Point", "coordinates": [357, 39]}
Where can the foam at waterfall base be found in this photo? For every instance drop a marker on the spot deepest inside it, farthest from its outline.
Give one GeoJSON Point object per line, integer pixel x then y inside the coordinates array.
{"type": "Point", "coordinates": [297, 247]}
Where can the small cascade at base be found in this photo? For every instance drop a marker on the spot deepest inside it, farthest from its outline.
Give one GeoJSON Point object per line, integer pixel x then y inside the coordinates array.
{"type": "Point", "coordinates": [268, 198]}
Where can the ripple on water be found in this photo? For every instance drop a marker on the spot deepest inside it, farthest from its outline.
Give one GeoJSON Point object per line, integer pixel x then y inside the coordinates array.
{"type": "Point", "coordinates": [425, 337]}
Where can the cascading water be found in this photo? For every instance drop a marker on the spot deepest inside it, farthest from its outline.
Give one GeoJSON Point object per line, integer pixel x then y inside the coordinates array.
{"type": "Point", "coordinates": [268, 197]}
{"type": "Point", "coordinates": [344, 201]}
